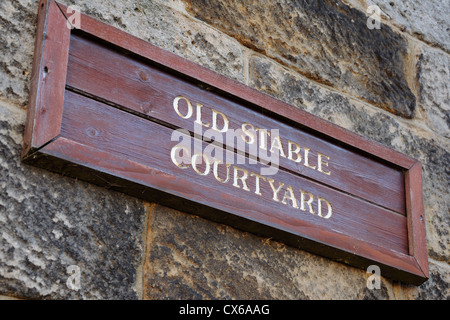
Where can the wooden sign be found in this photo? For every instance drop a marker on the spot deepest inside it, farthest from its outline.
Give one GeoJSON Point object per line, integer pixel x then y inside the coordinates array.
{"type": "Point", "coordinates": [119, 112]}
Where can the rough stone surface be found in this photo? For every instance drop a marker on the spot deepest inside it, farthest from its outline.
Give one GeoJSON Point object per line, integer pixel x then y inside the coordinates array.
{"type": "Point", "coordinates": [434, 89]}
{"type": "Point", "coordinates": [6, 298]}
{"type": "Point", "coordinates": [192, 258]}
{"type": "Point", "coordinates": [436, 288]}
{"type": "Point", "coordinates": [408, 137]}
{"type": "Point", "coordinates": [48, 223]}
{"type": "Point", "coordinates": [148, 20]}
{"type": "Point", "coordinates": [427, 20]}
{"type": "Point", "coordinates": [17, 28]}
{"type": "Point", "coordinates": [326, 41]}
{"type": "Point", "coordinates": [316, 55]}
{"type": "Point", "coordinates": [170, 30]}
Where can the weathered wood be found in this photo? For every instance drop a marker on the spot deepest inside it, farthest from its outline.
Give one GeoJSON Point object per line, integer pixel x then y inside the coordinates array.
{"type": "Point", "coordinates": [416, 218]}
{"type": "Point", "coordinates": [129, 83]}
{"type": "Point", "coordinates": [149, 145]}
{"type": "Point", "coordinates": [105, 111]}
{"type": "Point", "coordinates": [228, 87]}
{"type": "Point", "coordinates": [48, 77]}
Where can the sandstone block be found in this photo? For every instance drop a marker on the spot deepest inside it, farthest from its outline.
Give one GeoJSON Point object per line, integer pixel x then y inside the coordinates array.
{"type": "Point", "coordinates": [49, 222]}
{"type": "Point", "coordinates": [324, 40]}
{"type": "Point", "coordinates": [431, 150]}
{"type": "Point", "coordinates": [434, 87]}
{"type": "Point", "coordinates": [427, 20]}
{"type": "Point", "coordinates": [170, 30]}
{"type": "Point", "coordinates": [191, 258]}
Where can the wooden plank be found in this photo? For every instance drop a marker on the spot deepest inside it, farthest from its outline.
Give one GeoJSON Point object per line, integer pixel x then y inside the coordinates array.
{"type": "Point", "coordinates": [69, 158]}
{"type": "Point", "coordinates": [48, 77]}
{"type": "Point", "coordinates": [119, 164]}
{"type": "Point", "coordinates": [110, 76]}
{"type": "Point", "coordinates": [416, 222]}
{"type": "Point", "coordinates": [221, 84]}
{"type": "Point", "coordinates": [114, 125]}
{"type": "Point", "coordinates": [149, 144]}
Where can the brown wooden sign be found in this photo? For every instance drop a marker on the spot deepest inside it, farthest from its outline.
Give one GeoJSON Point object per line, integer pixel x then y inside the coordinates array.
{"type": "Point", "coordinates": [114, 110]}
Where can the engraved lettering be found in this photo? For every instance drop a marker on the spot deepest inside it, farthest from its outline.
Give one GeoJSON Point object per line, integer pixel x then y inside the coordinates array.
{"type": "Point", "coordinates": [243, 146]}
{"type": "Point", "coordinates": [292, 152]}
{"type": "Point", "coordinates": [321, 162]}
{"type": "Point", "coordinates": [176, 107]}
{"type": "Point", "coordinates": [275, 190]}
{"type": "Point", "coordinates": [224, 120]}
{"type": "Point", "coordinates": [250, 133]}
{"type": "Point", "coordinates": [198, 159]}
{"type": "Point", "coordinates": [289, 195]}
{"type": "Point", "coordinates": [243, 178]}
{"type": "Point", "coordinates": [215, 149]}
{"type": "Point", "coordinates": [216, 172]}
{"type": "Point", "coordinates": [175, 156]}
{"type": "Point", "coordinates": [276, 144]}
{"type": "Point", "coordinates": [307, 159]}
{"type": "Point", "coordinates": [303, 201]}
{"type": "Point", "coordinates": [263, 133]}
{"type": "Point", "coordinates": [199, 116]}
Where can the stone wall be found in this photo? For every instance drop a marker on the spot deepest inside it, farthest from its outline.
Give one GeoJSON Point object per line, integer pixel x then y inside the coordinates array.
{"type": "Point", "coordinates": [390, 85]}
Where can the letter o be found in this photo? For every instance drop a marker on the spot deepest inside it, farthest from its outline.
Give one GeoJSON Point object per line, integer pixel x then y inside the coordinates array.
{"type": "Point", "coordinates": [175, 107]}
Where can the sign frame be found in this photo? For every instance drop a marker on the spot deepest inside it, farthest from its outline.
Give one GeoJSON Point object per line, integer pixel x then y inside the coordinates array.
{"type": "Point", "coordinates": [44, 146]}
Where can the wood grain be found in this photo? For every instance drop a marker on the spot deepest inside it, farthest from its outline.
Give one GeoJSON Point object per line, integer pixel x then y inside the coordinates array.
{"type": "Point", "coordinates": [111, 124]}
{"type": "Point", "coordinates": [132, 84]}
{"type": "Point", "coordinates": [149, 144]}
{"type": "Point", "coordinates": [223, 85]}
